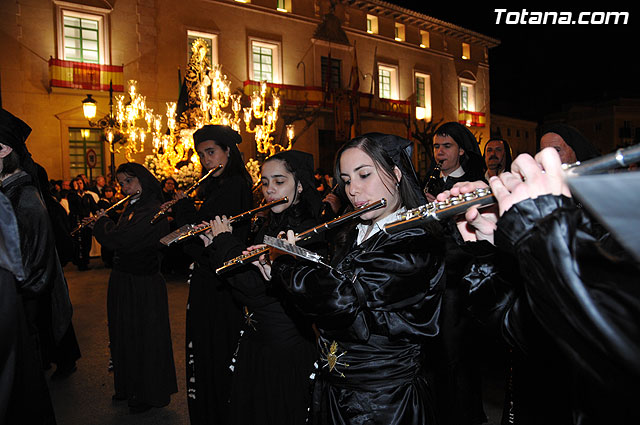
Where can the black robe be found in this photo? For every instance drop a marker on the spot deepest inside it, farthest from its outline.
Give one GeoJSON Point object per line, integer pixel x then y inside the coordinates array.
{"type": "Point", "coordinates": [276, 352]}
{"type": "Point", "coordinates": [45, 305]}
{"type": "Point", "coordinates": [213, 319]}
{"type": "Point", "coordinates": [571, 314]}
{"type": "Point", "coordinates": [582, 289]}
{"type": "Point", "coordinates": [81, 207]}
{"type": "Point", "coordinates": [137, 306]}
{"type": "Point", "coordinates": [11, 271]}
{"type": "Point", "coordinates": [373, 311]}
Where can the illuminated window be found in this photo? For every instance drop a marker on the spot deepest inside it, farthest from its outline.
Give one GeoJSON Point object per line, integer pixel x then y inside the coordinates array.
{"type": "Point", "coordinates": [82, 36]}
{"type": "Point", "coordinates": [466, 51]}
{"type": "Point", "coordinates": [388, 81]}
{"type": "Point", "coordinates": [265, 61]}
{"type": "Point", "coordinates": [467, 97]}
{"type": "Point", "coordinates": [283, 5]}
{"type": "Point", "coordinates": [424, 39]}
{"type": "Point", "coordinates": [372, 24]}
{"type": "Point", "coordinates": [399, 32]}
{"type": "Point", "coordinates": [211, 41]}
{"type": "Point", "coordinates": [423, 96]}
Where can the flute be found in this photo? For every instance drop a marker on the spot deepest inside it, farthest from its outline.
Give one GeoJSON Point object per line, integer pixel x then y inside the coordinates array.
{"type": "Point", "coordinates": [251, 256]}
{"type": "Point", "coordinates": [168, 205]}
{"type": "Point", "coordinates": [96, 217]}
{"type": "Point", "coordinates": [457, 205]}
{"type": "Point", "coordinates": [189, 230]}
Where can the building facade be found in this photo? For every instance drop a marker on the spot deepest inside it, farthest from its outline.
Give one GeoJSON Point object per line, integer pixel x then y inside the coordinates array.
{"type": "Point", "coordinates": [341, 67]}
{"type": "Point", "coordinates": [520, 134]}
{"type": "Point", "coordinates": [609, 125]}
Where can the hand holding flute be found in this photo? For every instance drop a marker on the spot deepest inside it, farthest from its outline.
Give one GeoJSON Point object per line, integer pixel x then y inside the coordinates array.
{"type": "Point", "coordinates": [529, 178]}
{"type": "Point", "coordinates": [263, 262]}
{"type": "Point", "coordinates": [215, 227]}
{"type": "Point", "coordinates": [256, 251]}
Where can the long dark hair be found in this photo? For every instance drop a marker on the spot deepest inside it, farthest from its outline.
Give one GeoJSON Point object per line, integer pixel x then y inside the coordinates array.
{"type": "Point", "coordinates": [300, 165]}
{"type": "Point", "coordinates": [309, 204]}
{"type": "Point", "coordinates": [386, 152]}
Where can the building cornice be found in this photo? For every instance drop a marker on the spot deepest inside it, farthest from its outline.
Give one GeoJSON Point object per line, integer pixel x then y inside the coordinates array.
{"type": "Point", "coordinates": [426, 22]}
{"type": "Point", "coordinates": [381, 8]}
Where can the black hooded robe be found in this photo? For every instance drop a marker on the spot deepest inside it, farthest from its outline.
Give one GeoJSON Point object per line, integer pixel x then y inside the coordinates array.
{"type": "Point", "coordinates": [213, 319]}
{"type": "Point", "coordinates": [137, 306]}
{"type": "Point", "coordinates": [44, 285]}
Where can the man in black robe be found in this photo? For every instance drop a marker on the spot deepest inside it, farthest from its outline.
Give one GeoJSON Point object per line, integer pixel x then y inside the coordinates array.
{"type": "Point", "coordinates": [577, 302]}
{"type": "Point", "coordinates": [43, 294]}
{"type": "Point", "coordinates": [455, 363]}
{"type": "Point", "coordinates": [456, 149]}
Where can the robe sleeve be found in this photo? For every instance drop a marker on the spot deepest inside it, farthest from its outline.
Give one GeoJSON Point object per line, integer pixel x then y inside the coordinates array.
{"type": "Point", "coordinates": [133, 231]}
{"type": "Point", "coordinates": [585, 296]}
{"type": "Point", "coordinates": [36, 243]}
{"type": "Point", "coordinates": [396, 285]}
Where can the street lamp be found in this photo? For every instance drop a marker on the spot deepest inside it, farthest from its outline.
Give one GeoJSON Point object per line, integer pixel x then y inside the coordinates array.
{"type": "Point", "coordinates": [108, 124]}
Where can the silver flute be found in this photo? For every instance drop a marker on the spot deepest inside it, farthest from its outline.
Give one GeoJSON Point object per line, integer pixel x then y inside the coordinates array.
{"type": "Point", "coordinates": [251, 256]}
{"type": "Point", "coordinates": [163, 210]}
{"type": "Point", "coordinates": [456, 205]}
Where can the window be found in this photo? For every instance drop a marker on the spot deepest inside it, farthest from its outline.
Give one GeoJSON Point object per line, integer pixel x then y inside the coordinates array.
{"type": "Point", "coordinates": [423, 96]}
{"type": "Point", "coordinates": [399, 32]}
{"type": "Point", "coordinates": [212, 44]}
{"type": "Point", "coordinates": [265, 61]}
{"type": "Point", "coordinates": [81, 39]}
{"type": "Point", "coordinates": [80, 141]}
{"type": "Point", "coordinates": [424, 39]}
{"type": "Point", "coordinates": [333, 73]}
{"type": "Point", "coordinates": [283, 5]}
{"type": "Point", "coordinates": [467, 97]}
{"type": "Point", "coordinates": [372, 24]}
{"type": "Point", "coordinates": [82, 36]}
{"type": "Point", "coordinates": [466, 51]}
{"type": "Point", "coordinates": [388, 81]}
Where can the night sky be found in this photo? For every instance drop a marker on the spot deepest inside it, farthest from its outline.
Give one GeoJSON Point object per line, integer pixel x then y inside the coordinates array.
{"type": "Point", "coordinates": [538, 68]}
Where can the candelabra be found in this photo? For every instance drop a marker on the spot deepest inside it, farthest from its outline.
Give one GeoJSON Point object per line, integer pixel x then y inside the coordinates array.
{"type": "Point", "coordinates": [267, 121]}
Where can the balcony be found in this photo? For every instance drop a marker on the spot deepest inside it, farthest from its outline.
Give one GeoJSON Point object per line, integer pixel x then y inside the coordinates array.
{"type": "Point", "coordinates": [86, 76]}
{"type": "Point", "coordinates": [314, 96]}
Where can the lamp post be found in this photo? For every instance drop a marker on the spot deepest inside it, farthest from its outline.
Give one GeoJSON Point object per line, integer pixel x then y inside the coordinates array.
{"type": "Point", "coordinates": [108, 124]}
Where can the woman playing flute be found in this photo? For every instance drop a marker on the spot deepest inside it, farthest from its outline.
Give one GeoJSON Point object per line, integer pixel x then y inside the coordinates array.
{"type": "Point", "coordinates": [276, 352]}
{"type": "Point", "coordinates": [379, 302]}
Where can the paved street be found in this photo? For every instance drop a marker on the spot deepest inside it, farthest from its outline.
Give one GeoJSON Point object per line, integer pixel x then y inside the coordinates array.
{"type": "Point", "coordinates": [85, 397]}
